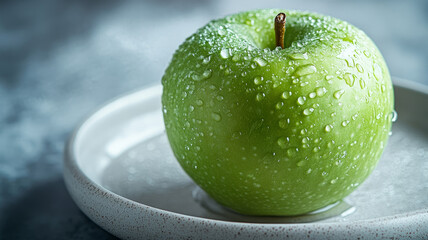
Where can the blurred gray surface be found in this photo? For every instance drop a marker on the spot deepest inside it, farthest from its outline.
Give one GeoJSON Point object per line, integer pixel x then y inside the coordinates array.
{"type": "Point", "coordinates": [60, 60]}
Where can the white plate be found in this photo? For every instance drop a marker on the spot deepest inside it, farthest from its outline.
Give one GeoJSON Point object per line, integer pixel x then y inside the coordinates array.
{"type": "Point", "coordinates": [120, 171]}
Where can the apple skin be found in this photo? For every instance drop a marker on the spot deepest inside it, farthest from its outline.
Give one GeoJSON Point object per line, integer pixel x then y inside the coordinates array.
{"type": "Point", "coordinates": [270, 131]}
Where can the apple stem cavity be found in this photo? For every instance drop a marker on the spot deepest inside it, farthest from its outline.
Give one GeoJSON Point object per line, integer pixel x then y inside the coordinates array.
{"type": "Point", "coordinates": [280, 29]}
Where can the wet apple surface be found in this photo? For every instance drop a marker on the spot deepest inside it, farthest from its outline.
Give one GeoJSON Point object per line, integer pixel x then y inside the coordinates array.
{"type": "Point", "coordinates": [271, 131]}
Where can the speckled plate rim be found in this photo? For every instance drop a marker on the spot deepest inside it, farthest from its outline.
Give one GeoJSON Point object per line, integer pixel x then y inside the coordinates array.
{"type": "Point", "coordinates": [128, 219]}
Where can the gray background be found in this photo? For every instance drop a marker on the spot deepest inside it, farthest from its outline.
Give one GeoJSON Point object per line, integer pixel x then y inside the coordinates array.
{"type": "Point", "coordinates": [60, 60]}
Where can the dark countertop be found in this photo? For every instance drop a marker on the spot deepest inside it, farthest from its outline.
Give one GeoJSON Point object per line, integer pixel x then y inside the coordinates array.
{"type": "Point", "coordinates": [60, 60]}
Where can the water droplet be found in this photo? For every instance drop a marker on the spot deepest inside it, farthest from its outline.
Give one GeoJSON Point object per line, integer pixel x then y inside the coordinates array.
{"type": "Point", "coordinates": [221, 31]}
{"type": "Point", "coordinates": [199, 102]}
{"type": "Point", "coordinates": [328, 128]}
{"type": "Point", "coordinates": [220, 98]}
{"type": "Point", "coordinates": [350, 62]}
{"type": "Point", "coordinates": [309, 171]}
{"type": "Point", "coordinates": [320, 91]}
{"type": "Point", "coordinates": [283, 123]}
{"type": "Point", "coordinates": [349, 79]}
{"type": "Point", "coordinates": [383, 88]}
{"type": "Point", "coordinates": [312, 95]}
{"type": "Point", "coordinates": [258, 80]}
{"type": "Point", "coordinates": [362, 83]}
{"type": "Point", "coordinates": [338, 94]}
{"type": "Point", "coordinates": [290, 152]}
{"type": "Point", "coordinates": [224, 53]}
{"type": "Point", "coordinates": [260, 96]}
{"type": "Point", "coordinates": [301, 100]}
{"type": "Point", "coordinates": [260, 61]}
{"type": "Point", "coordinates": [377, 71]}
{"type": "Point", "coordinates": [360, 68]}
{"type": "Point", "coordinates": [191, 108]}
{"type": "Point", "coordinates": [282, 142]}
{"type": "Point", "coordinates": [279, 105]}
{"type": "Point", "coordinates": [298, 56]}
{"type": "Point", "coordinates": [316, 149]}
{"type": "Point", "coordinates": [286, 95]}
{"type": "Point", "coordinates": [235, 57]}
{"type": "Point", "coordinates": [345, 123]}
{"type": "Point", "coordinates": [328, 77]}
{"type": "Point", "coordinates": [333, 181]}
{"type": "Point", "coordinates": [366, 53]}
{"type": "Point", "coordinates": [300, 163]}
{"type": "Point", "coordinates": [206, 60]}
{"type": "Point", "coordinates": [393, 116]}
{"type": "Point", "coordinates": [216, 116]}
{"type": "Point", "coordinates": [305, 70]}
{"type": "Point", "coordinates": [308, 111]}
{"type": "Point", "coordinates": [207, 74]}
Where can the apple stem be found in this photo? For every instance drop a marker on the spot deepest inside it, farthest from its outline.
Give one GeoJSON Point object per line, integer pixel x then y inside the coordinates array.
{"type": "Point", "coordinates": [280, 29]}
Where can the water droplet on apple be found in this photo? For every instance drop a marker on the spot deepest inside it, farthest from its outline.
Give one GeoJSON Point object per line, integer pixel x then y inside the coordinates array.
{"type": "Point", "coordinates": [300, 163]}
{"type": "Point", "coordinates": [377, 71]}
{"type": "Point", "coordinates": [216, 116]}
{"type": "Point", "coordinates": [220, 98]}
{"type": "Point", "coordinates": [350, 62]}
{"type": "Point", "coordinates": [235, 57]}
{"type": "Point", "coordinates": [366, 53]}
{"type": "Point", "coordinates": [290, 152]}
{"type": "Point", "coordinates": [260, 96]}
{"type": "Point", "coordinates": [301, 100]}
{"type": "Point", "coordinates": [333, 181]}
{"type": "Point", "coordinates": [328, 77]}
{"type": "Point", "coordinates": [345, 123]}
{"type": "Point", "coordinates": [308, 111]}
{"type": "Point", "coordinates": [221, 31]}
{"type": "Point", "coordinates": [279, 105]}
{"type": "Point", "coordinates": [362, 83]}
{"type": "Point", "coordinates": [207, 74]}
{"type": "Point", "coordinates": [393, 116]}
{"type": "Point", "coordinates": [191, 108]}
{"type": "Point", "coordinates": [305, 70]}
{"type": "Point", "coordinates": [360, 68]}
{"type": "Point", "coordinates": [206, 60]}
{"type": "Point", "coordinates": [260, 61]}
{"type": "Point", "coordinates": [258, 80]}
{"type": "Point", "coordinates": [338, 94]}
{"type": "Point", "coordinates": [199, 102]}
{"type": "Point", "coordinates": [224, 53]}
{"type": "Point", "coordinates": [316, 149]}
{"type": "Point", "coordinates": [312, 95]}
{"type": "Point", "coordinates": [282, 142]}
{"type": "Point", "coordinates": [383, 88]}
{"type": "Point", "coordinates": [349, 79]}
{"type": "Point", "coordinates": [283, 123]}
{"type": "Point", "coordinates": [286, 95]}
{"type": "Point", "coordinates": [309, 171]}
{"type": "Point", "coordinates": [328, 128]}
{"type": "Point", "coordinates": [298, 56]}
{"type": "Point", "coordinates": [320, 91]}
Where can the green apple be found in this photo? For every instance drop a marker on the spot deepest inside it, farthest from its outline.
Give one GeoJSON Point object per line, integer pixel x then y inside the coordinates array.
{"type": "Point", "coordinates": [266, 130]}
